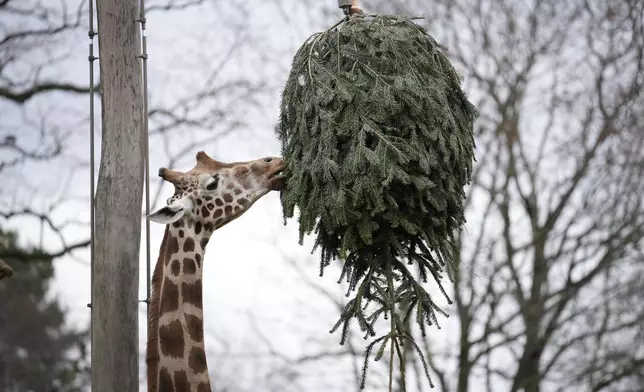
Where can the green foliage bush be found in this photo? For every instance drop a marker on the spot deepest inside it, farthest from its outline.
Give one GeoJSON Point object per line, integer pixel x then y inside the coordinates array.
{"type": "Point", "coordinates": [378, 138]}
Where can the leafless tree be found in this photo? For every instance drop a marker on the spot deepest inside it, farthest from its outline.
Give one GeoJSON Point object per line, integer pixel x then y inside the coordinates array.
{"type": "Point", "coordinates": [45, 115]}
{"type": "Point", "coordinates": [196, 99]}
{"type": "Point", "coordinates": [32, 37]}
{"type": "Point", "coordinates": [548, 296]}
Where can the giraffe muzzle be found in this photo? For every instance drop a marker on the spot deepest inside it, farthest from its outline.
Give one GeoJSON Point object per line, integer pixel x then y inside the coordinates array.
{"type": "Point", "coordinates": [276, 178]}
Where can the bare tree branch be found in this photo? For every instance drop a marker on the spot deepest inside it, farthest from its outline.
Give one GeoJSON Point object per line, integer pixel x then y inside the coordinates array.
{"type": "Point", "coordinates": [42, 87]}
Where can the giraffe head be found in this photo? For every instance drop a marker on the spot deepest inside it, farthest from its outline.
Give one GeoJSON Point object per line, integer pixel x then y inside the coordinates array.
{"type": "Point", "coordinates": [214, 193]}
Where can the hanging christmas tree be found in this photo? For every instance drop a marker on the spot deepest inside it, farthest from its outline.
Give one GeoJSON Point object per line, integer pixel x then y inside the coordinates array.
{"type": "Point", "coordinates": [378, 138]}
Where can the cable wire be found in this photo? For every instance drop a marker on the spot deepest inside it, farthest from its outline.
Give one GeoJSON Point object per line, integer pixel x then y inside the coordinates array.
{"type": "Point", "coordinates": [91, 33]}
{"type": "Point", "coordinates": [145, 136]}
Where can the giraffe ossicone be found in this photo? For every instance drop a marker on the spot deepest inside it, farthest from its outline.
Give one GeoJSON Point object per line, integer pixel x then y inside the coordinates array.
{"type": "Point", "coordinates": [207, 197]}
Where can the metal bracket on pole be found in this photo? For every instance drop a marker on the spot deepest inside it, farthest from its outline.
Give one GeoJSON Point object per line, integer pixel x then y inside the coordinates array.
{"type": "Point", "coordinates": [350, 7]}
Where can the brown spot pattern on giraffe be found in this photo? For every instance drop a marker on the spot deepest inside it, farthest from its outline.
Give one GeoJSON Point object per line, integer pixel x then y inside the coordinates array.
{"type": "Point", "coordinates": [173, 336]}
{"type": "Point", "coordinates": [169, 297]}
{"type": "Point", "coordinates": [192, 293]}
{"type": "Point", "coordinates": [165, 381]}
{"type": "Point", "coordinates": [195, 327]}
{"type": "Point", "coordinates": [189, 266]}
{"type": "Point", "coordinates": [204, 388]}
{"type": "Point", "coordinates": [189, 245]}
{"type": "Point", "coordinates": [181, 381]}
{"type": "Point", "coordinates": [171, 339]}
{"type": "Point", "coordinates": [241, 170]}
{"type": "Point", "coordinates": [173, 245]}
{"type": "Point", "coordinates": [197, 360]}
{"type": "Point", "coordinates": [175, 268]}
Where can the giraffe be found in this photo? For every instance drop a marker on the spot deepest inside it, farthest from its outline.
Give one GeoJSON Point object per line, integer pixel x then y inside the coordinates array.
{"type": "Point", "coordinates": [5, 270]}
{"type": "Point", "coordinates": [207, 197]}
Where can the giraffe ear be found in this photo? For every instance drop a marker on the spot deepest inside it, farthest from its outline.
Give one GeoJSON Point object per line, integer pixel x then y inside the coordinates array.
{"type": "Point", "coordinates": [170, 213]}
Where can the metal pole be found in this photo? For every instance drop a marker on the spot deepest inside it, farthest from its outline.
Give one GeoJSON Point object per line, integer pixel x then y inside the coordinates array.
{"type": "Point", "coordinates": [144, 60]}
{"type": "Point", "coordinates": [91, 33]}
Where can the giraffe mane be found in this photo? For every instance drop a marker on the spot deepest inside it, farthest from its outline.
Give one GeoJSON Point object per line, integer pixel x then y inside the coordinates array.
{"type": "Point", "coordinates": [152, 351]}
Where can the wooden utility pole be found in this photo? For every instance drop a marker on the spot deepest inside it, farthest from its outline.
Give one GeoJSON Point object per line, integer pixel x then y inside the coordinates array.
{"type": "Point", "coordinates": [119, 194]}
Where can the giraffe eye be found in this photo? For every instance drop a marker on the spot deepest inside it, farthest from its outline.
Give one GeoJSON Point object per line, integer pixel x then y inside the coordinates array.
{"type": "Point", "coordinates": [213, 184]}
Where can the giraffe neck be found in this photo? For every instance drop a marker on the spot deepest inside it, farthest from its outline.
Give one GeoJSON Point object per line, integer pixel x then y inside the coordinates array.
{"type": "Point", "coordinates": [176, 357]}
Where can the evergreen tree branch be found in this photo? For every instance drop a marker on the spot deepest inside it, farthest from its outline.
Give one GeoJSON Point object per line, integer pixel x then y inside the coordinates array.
{"type": "Point", "coordinates": [377, 161]}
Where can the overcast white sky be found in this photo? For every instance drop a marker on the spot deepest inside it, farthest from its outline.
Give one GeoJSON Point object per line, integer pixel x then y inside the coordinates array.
{"type": "Point", "coordinates": [249, 284]}
{"type": "Point", "coordinates": [245, 272]}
